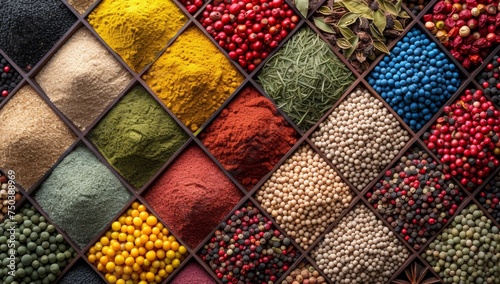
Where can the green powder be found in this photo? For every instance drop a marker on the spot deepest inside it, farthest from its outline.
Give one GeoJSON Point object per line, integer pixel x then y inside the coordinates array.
{"type": "Point", "coordinates": [81, 195]}
{"type": "Point", "coordinates": [138, 136]}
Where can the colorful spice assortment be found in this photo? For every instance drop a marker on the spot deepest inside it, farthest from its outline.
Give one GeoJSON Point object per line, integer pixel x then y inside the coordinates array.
{"type": "Point", "coordinates": [247, 248]}
{"type": "Point", "coordinates": [468, 29]}
{"type": "Point", "coordinates": [137, 137]}
{"type": "Point", "coordinates": [137, 247]}
{"type": "Point", "coordinates": [305, 78]}
{"type": "Point", "coordinates": [360, 137]}
{"type": "Point", "coordinates": [249, 31]}
{"type": "Point", "coordinates": [249, 137]}
{"type": "Point", "coordinates": [137, 30]}
{"type": "Point", "coordinates": [27, 136]}
{"type": "Point", "coordinates": [489, 197]}
{"type": "Point", "coordinates": [193, 78]}
{"type": "Point", "coordinates": [466, 138]}
{"type": "Point", "coordinates": [193, 273]}
{"type": "Point", "coordinates": [490, 80]}
{"type": "Point", "coordinates": [81, 5]}
{"type": "Point", "coordinates": [25, 23]}
{"type": "Point", "coordinates": [360, 249]}
{"type": "Point", "coordinates": [304, 195]}
{"type": "Point", "coordinates": [416, 79]}
{"type": "Point", "coordinates": [41, 253]}
{"type": "Point", "coordinates": [81, 195]}
{"type": "Point", "coordinates": [416, 197]}
{"type": "Point", "coordinates": [188, 196]}
{"type": "Point", "coordinates": [81, 273]}
{"type": "Point", "coordinates": [361, 29]}
{"type": "Point", "coordinates": [468, 250]}
{"type": "Point", "coordinates": [9, 78]}
{"type": "Point", "coordinates": [4, 193]}
{"type": "Point", "coordinates": [304, 274]}
{"type": "Point", "coordinates": [82, 78]}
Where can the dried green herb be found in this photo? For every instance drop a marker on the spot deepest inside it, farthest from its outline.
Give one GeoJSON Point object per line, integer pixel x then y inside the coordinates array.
{"type": "Point", "coordinates": [361, 28]}
{"type": "Point", "coordinates": [305, 78]}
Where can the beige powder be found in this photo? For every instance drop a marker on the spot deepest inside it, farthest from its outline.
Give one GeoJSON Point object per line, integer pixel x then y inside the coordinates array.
{"type": "Point", "coordinates": [33, 137]}
{"type": "Point", "coordinates": [83, 78]}
{"type": "Point", "coordinates": [81, 5]}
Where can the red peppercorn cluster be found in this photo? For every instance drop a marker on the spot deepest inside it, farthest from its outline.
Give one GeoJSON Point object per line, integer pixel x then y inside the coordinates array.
{"type": "Point", "coordinates": [489, 197]}
{"type": "Point", "coordinates": [468, 28]}
{"type": "Point", "coordinates": [466, 138]}
{"type": "Point", "coordinates": [250, 29]}
{"type": "Point", "coordinates": [248, 249]}
{"type": "Point", "coordinates": [490, 80]}
{"type": "Point", "coordinates": [416, 197]}
{"type": "Point", "coordinates": [192, 6]}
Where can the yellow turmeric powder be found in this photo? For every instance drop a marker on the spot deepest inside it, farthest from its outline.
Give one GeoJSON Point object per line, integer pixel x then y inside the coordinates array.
{"type": "Point", "coordinates": [137, 29]}
{"type": "Point", "coordinates": [193, 78]}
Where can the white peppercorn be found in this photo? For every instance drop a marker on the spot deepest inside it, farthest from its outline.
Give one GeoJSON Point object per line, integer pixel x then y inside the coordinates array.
{"type": "Point", "coordinates": [360, 249]}
{"type": "Point", "coordinates": [304, 195]}
{"type": "Point", "coordinates": [360, 137]}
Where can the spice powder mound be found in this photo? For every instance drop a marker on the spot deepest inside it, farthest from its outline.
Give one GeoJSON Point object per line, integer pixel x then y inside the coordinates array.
{"type": "Point", "coordinates": [193, 78]}
{"type": "Point", "coordinates": [249, 137]}
{"type": "Point", "coordinates": [137, 29]}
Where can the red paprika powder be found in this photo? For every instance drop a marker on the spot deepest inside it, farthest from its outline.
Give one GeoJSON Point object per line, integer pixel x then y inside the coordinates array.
{"type": "Point", "coordinates": [249, 137]}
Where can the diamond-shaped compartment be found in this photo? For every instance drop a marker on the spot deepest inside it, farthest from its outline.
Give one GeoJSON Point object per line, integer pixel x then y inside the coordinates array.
{"type": "Point", "coordinates": [249, 32]}
{"type": "Point", "coordinates": [33, 136]}
{"type": "Point", "coordinates": [360, 235]}
{"type": "Point", "coordinates": [137, 136]}
{"type": "Point", "coordinates": [357, 36]}
{"type": "Point", "coordinates": [187, 196]}
{"type": "Point", "coordinates": [193, 273]}
{"type": "Point", "coordinates": [137, 243]}
{"type": "Point", "coordinates": [419, 87]}
{"type": "Point", "coordinates": [270, 253]}
{"type": "Point", "coordinates": [249, 137]}
{"type": "Point", "coordinates": [414, 271]}
{"type": "Point", "coordinates": [301, 88]}
{"type": "Point", "coordinates": [416, 197]}
{"type": "Point", "coordinates": [31, 28]}
{"type": "Point", "coordinates": [137, 30]}
{"type": "Point", "coordinates": [193, 78]}
{"type": "Point", "coordinates": [360, 137]}
{"type": "Point", "coordinates": [40, 253]}
{"type": "Point", "coordinates": [465, 138]}
{"type": "Point", "coordinates": [467, 251]}
{"type": "Point", "coordinates": [82, 78]}
{"type": "Point", "coordinates": [81, 195]}
{"type": "Point", "coordinates": [304, 195]}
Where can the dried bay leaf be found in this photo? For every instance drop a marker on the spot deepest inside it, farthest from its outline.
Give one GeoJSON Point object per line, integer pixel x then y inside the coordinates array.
{"type": "Point", "coordinates": [346, 32]}
{"type": "Point", "coordinates": [324, 10]}
{"type": "Point", "coordinates": [403, 15]}
{"type": "Point", "coordinates": [348, 19]}
{"type": "Point", "coordinates": [302, 6]}
{"type": "Point", "coordinates": [320, 23]}
{"type": "Point", "coordinates": [344, 43]}
{"type": "Point", "coordinates": [381, 46]}
{"type": "Point", "coordinates": [358, 7]}
{"type": "Point", "coordinates": [398, 26]}
{"type": "Point", "coordinates": [354, 42]}
{"type": "Point", "coordinates": [379, 20]}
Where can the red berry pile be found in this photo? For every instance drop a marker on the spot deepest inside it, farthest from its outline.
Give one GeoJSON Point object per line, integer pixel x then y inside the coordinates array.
{"type": "Point", "coordinates": [416, 197]}
{"type": "Point", "coordinates": [468, 28]}
{"type": "Point", "coordinates": [249, 30]}
{"type": "Point", "coordinates": [192, 6]}
{"type": "Point", "coordinates": [466, 138]}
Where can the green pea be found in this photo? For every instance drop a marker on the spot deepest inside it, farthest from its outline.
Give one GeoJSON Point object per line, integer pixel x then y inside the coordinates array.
{"type": "Point", "coordinates": [60, 256]}
{"type": "Point", "coordinates": [40, 251]}
{"type": "Point", "coordinates": [26, 259]}
{"type": "Point", "coordinates": [3, 240]}
{"type": "Point", "coordinates": [54, 268]}
{"type": "Point", "coordinates": [52, 258]}
{"type": "Point", "coordinates": [68, 254]}
{"type": "Point", "coordinates": [51, 228]}
{"type": "Point", "coordinates": [18, 219]}
{"type": "Point", "coordinates": [35, 264]}
{"type": "Point", "coordinates": [44, 259]}
{"type": "Point", "coordinates": [31, 246]}
{"type": "Point", "coordinates": [51, 277]}
{"type": "Point", "coordinates": [34, 275]}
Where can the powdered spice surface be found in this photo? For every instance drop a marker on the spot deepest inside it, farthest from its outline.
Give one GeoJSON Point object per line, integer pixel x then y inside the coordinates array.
{"type": "Point", "coordinates": [193, 196]}
{"type": "Point", "coordinates": [249, 137]}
